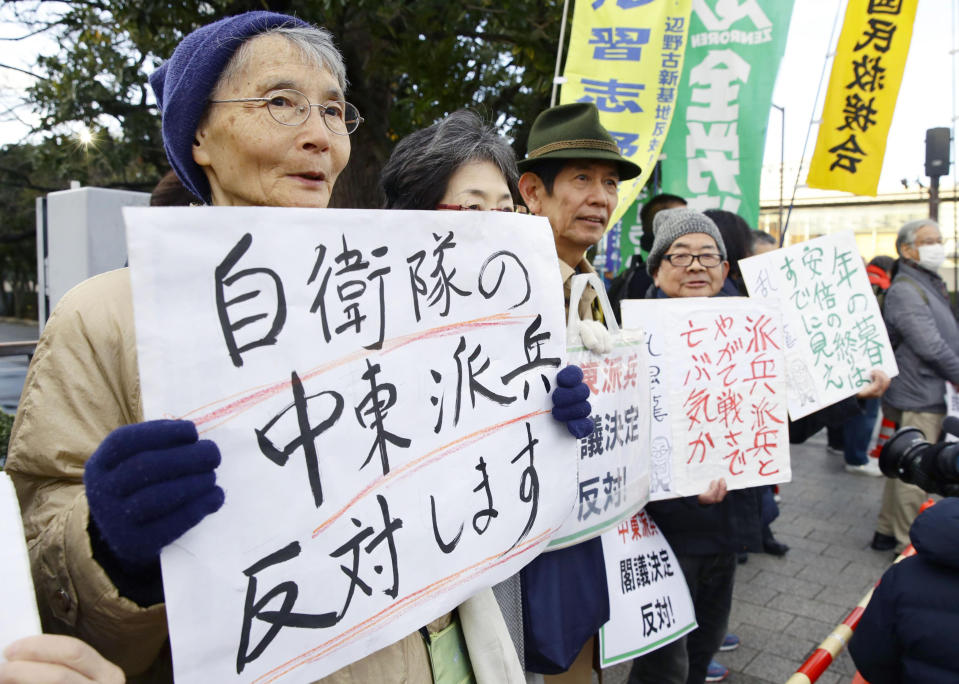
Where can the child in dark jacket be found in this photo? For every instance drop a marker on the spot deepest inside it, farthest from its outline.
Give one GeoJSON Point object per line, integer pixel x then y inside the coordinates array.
{"type": "Point", "coordinates": [908, 631]}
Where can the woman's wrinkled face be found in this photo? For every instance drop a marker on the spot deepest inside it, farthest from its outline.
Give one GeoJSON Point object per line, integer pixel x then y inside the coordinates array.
{"type": "Point", "coordinates": [250, 159]}
{"type": "Point", "coordinates": [478, 185]}
{"type": "Point", "coordinates": [694, 280]}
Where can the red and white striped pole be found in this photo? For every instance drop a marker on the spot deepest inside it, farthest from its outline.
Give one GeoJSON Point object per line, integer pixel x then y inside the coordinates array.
{"type": "Point", "coordinates": [839, 638]}
{"type": "Point", "coordinates": [886, 428]}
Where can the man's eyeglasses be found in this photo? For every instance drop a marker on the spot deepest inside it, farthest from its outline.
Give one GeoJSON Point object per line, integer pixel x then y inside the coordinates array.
{"type": "Point", "coordinates": [685, 260]}
{"type": "Point", "coordinates": [291, 108]}
{"type": "Point", "coordinates": [518, 209]}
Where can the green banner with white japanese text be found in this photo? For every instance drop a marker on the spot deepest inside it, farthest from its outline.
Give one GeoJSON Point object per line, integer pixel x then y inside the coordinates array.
{"type": "Point", "coordinates": [714, 150]}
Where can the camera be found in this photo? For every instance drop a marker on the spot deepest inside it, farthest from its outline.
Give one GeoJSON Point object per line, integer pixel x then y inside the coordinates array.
{"type": "Point", "coordinates": [933, 467]}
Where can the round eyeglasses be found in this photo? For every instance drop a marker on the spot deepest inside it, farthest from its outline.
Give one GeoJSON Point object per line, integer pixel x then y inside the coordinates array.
{"type": "Point", "coordinates": [686, 260]}
{"type": "Point", "coordinates": [291, 108]}
{"type": "Point", "coordinates": [518, 209]}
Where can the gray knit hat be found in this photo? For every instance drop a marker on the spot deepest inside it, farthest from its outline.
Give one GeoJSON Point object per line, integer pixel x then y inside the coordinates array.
{"type": "Point", "coordinates": [670, 224]}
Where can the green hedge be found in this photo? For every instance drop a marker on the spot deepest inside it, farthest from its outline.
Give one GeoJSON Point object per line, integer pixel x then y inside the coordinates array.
{"type": "Point", "coordinates": [6, 422]}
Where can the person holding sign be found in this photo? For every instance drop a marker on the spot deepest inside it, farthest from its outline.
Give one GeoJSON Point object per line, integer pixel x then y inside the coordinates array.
{"type": "Point", "coordinates": [570, 175]}
{"type": "Point", "coordinates": [460, 164]}
{"type": "Point", "coordinates": [633, 282]}
{"type": "Point", "coordinates": [254, 114]}
{"type": "Point", "coordinates": [689, 259]}
{"type": "Point", "coordinates": [102, 492]}
{"type": "Point", "coordinates": [925, 336]}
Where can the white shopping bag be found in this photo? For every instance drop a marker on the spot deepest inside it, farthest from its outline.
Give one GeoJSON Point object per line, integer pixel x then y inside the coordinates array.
{"type": "Point", "coordinates": [613, 463]}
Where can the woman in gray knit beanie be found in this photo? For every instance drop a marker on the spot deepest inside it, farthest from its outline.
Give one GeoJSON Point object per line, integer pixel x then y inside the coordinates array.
{"type": "Point", "coordinates": [688, 258]}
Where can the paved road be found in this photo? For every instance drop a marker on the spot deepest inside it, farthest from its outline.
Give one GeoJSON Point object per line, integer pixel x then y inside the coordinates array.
{"type": "Point", "coordinates": [784, 607]}
{"type": "Point", "coordinates": [13, 369]}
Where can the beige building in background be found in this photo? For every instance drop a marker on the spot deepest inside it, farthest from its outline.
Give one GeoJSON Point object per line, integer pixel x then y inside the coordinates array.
{"type": "Point", "coordinates": [874, 220]}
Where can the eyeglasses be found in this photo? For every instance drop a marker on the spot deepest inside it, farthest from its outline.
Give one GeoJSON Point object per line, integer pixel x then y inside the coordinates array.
{"type": "Point", "coordinates": [685, 260]}
{"type": "Point", "coordinates": [518, 209]}
{"type": "Point", "coordinates": [291, 108]}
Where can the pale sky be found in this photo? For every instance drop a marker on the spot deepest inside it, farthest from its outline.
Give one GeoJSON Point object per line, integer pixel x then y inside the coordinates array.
{"type": "Point", "coordinates": [925, 99]}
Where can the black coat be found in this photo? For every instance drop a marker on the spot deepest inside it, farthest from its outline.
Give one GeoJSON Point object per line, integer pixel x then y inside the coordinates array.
{"type": "Point", "coordinates": [692, 529]}
{"type": "Point", "coordinates": [632, 283]}
{"type": "Point", "coordinates": [908, 631]}
{"type": "Point", "coordinates": [833, 415]}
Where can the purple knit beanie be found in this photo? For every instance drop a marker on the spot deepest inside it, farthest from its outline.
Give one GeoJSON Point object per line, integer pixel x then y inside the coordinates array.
{"type": "Point", "coordinates": [184, 83]}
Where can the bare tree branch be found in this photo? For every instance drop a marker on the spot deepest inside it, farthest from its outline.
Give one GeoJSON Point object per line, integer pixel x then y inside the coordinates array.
{"type": "Point", "coordinates": [24, 71]}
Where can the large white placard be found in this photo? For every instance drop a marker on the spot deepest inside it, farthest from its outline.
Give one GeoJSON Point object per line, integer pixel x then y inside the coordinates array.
{"type": "Point", "coordinates": [613, 466]}
{"type": "Point", "coordinates": [378, 385]}
{"type": "Point", "coordinates": [649, 603]}
{"type": "Point", "coordinates": [20, 618]}
{"type": "Point", "coordinates": [833, 329]}
{"type": "Point", "coordinates": [718, 392]}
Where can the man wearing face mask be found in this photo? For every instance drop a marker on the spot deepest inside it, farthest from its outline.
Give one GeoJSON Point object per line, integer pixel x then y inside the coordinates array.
{"type": "Point", "coordinates": [925, 336]}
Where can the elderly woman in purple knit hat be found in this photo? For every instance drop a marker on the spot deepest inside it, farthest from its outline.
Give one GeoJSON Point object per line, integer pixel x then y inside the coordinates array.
{"type": "Point", "coordinates": [254, 113]}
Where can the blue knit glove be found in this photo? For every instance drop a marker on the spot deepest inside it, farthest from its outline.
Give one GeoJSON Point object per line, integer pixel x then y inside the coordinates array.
{"type": "Point", "coordinates": [148, 483]}
{"type": "Point", "coordinates": [569, 402]}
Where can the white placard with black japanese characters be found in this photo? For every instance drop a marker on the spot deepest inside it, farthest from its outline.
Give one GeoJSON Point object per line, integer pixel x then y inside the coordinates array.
{"type": "Point", "coordinates": [649, 603]}
{"type": "Point", "coordinates": [378, 385]}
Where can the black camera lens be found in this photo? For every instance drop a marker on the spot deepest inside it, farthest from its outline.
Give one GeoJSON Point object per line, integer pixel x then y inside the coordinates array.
{"type": "Point", "coordinates": [940, 462]}
{"type": "Point", "coordinates": [910, 458]}
{"type": "Point", "coordinates": [900, 451]}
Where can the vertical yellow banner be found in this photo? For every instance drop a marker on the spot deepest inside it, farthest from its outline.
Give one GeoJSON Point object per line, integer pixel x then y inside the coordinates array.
{"type": "Point", "coordinates": [626, 57]}
{"type": "Point", "coordinates": [863, 87]}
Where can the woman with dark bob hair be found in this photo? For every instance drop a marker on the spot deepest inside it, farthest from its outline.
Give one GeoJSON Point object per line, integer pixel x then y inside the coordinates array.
{"type": "Point", "coordinates": [461, 163]}
{"type": "Point", "coordinates": [254, 114]}
{"type": "Point", "coordinates": [458, 162]}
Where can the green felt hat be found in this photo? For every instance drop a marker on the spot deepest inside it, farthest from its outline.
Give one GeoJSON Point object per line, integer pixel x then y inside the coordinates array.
{"type": "Point", "coordinates": [573, 131]}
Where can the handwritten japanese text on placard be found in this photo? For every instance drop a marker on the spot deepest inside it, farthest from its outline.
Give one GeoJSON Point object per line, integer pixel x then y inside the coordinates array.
{"type": "Point", "coordinates": [834, 332]}
{"type": "Point", "coordinates": [377, 383]}
{"type": "Point", "coordinates": [613, 465]}
{"type": "Point", "coordinates": [649, 602]}
{"type": "Point", "coordinates": [722, 378]}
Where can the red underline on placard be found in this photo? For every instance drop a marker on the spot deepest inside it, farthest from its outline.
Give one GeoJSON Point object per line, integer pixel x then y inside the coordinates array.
{"type": "Point", "coordinates": [213, 414]}
{"type": "Point", "coordinates": [395, 609]}
{"type": "Point", "coordinates": [424, 460]}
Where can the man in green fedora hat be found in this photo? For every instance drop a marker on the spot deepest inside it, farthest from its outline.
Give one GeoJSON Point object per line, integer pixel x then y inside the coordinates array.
{"type": "Point", "coordinates": [570, 175]}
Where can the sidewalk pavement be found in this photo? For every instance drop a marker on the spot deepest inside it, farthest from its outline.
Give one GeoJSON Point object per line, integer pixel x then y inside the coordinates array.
{"type": "Point", "coordinates": [784, 607]}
